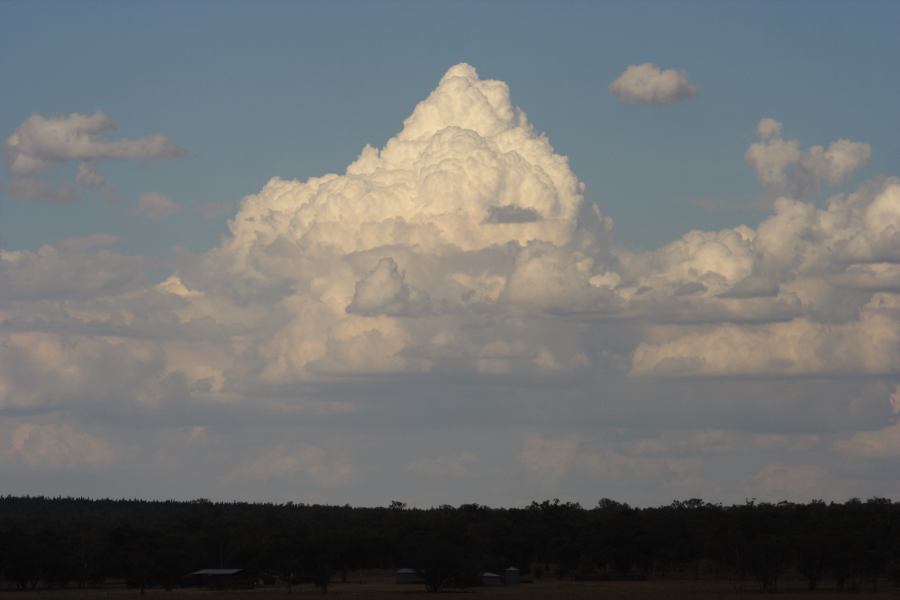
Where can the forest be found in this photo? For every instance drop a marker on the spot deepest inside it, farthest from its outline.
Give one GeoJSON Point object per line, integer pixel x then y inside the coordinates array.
{"type": "Point", "coordinates": [77, 542]}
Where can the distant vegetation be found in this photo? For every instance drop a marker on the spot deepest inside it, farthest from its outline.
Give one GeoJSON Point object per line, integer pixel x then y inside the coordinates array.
{"type": "Point", "coordinates": [56, 542]}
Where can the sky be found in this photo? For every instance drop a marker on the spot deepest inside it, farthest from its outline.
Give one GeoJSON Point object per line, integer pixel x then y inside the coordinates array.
{"type": "Point", "coordinates": [447, 252]}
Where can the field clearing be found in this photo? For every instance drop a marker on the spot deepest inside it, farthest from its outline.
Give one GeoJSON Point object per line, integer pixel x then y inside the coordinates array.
{"type": "Point", "coordinates": [612, 590]}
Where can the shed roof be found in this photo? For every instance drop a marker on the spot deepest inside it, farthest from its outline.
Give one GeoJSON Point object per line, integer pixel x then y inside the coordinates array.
{"type": "Point", "coordinates": [218, 572]}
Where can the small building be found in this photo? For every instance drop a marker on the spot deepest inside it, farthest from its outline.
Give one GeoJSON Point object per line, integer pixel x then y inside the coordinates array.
{"type": "Point", "coordinates": [221, 579]}
{"type": "Point", "coordinates": [491, 579]}
{"type": "Point", "coordinates": [511, 576]}
{"type": "Point", "coordinates": [408, 576]}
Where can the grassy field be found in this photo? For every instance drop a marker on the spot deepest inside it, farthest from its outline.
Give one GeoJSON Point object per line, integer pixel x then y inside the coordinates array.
{"type": "Point", "coordinates": [613, 590]}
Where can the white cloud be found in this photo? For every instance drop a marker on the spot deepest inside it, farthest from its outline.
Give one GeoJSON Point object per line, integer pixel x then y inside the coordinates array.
{"type": "Point", "coordinates": [154, 205]}
{"type": "Point", "coordinates": [820, 284]}
{"type": "Point", "coordinates": [40, 143]}
{"type": "Point", "coordinates": [442, 206]}
{"type": "Point", "coordinates": [43, 370]}
{"type": "Point", "coordinates": [649, 83]}
{"type": "Point", "coordinates": [870, 345]}
{"type": "Point", "coordinates": [784, 167]}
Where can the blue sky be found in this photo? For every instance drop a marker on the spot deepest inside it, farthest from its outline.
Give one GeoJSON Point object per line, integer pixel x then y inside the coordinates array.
{"type": "Point", "coordinates": [450, 322]}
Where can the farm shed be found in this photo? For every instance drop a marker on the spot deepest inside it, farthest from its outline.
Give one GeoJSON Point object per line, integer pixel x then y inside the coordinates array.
{"type": "Point", "coordinates": [408, 576]}
{"type": "Point", "coordinates": [221, 579]}
{"type": "Point", "coordinates": [491, 579]}
{"type": "Point", "coordinates": [511, 576]}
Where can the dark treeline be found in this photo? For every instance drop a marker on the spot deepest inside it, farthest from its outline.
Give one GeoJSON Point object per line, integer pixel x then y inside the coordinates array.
{"type": "Point", "coordinates": [79, 542]}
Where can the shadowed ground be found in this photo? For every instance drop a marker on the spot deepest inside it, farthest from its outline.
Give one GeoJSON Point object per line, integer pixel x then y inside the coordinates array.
{"type": "Point", "coordinates": [632, 590]}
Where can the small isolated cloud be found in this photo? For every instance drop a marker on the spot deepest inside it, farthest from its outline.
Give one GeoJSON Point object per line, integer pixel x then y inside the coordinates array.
{"type": "Point", "coordinates": [40, 143]}
{"type": "Point", "coordinates": [648, 83]}
{"type": "Point", "coordinates": [154, 205]}
{"type": "Point", "coordinates": [784, 167]}
{"type": "Point", "coordinates": [57, 446]}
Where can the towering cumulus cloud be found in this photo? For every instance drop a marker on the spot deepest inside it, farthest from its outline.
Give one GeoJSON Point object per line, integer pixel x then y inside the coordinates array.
{"type": "Point", "coordinates": [464, 208]}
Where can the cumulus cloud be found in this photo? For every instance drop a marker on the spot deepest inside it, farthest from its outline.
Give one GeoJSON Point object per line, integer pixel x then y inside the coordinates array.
{"type": "Point", "coordinates": [647, 82]}
{"type": "Point", "coordinates": [40, 143]}
{"type": "Point", "coordinates": [44, 370]}
{"type": "Point", "coordinates": [870, 345]}
{"type": "Point", "coordinates": [783, 166]}
{"type": "Point", "coordinates": [154, 205]}
{"type": "Point", "coordinates": [822, 288]}
{"type": "Point", "coordinates": [446, 206]}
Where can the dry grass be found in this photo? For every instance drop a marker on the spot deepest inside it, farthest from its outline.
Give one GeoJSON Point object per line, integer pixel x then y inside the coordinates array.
{"type": "Point", "coordinates": [562, 590]}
